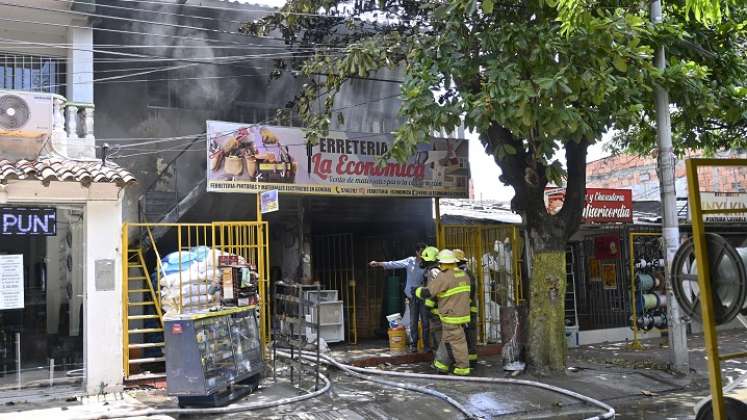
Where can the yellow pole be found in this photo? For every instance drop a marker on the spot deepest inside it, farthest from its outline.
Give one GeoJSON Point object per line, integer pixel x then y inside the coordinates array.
{"type": "Point", "coordinates": [706, 294]}
{"type": "Point", "coordinates": [479, 252]}
{"type": "Point", "coordinates": [179, 248]}
{"type": "Point", "coordinates": [439, 238]}
{"type": "Point", "coordinates": [259, 208]}
{"type": "Point", "coordinates": [125, 305]}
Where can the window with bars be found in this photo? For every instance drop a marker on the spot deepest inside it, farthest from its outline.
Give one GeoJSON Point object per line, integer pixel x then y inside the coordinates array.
{"type": "Point", "coordinates": [32, 73]}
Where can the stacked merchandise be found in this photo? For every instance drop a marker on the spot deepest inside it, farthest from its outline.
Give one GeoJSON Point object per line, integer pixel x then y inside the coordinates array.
{"type": "Point", "coordinates": [650, 296]}
{"type": "Point", "coordinates": [192, 276]}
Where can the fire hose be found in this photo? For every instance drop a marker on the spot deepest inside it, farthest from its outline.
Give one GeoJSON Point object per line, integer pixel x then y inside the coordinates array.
{"type": "Point", "coordinates": [237, 408]}
{"type": "Point", "coordinates": [365, 375]}
{"type": "Point", "coordinates": [608, 414]}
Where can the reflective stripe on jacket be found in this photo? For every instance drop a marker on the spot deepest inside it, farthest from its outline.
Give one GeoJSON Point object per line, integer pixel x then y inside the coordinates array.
{"type": "Point", "coordinates": [452, 289]}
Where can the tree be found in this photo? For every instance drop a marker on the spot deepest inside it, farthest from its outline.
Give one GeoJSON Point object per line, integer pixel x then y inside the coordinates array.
{"type": "Point", "coordinates": [509, 71]}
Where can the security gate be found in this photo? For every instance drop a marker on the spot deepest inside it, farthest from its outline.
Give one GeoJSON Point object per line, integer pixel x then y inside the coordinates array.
{"type": "Point", "coordinates": [494, 256]}
{"type": "Point", "coordinates": [334, 266]}
{"type": "Point", "coordinates": [153, 286]}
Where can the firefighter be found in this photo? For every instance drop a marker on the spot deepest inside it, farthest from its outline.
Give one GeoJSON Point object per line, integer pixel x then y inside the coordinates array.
{"type": "Point", "coordinates": [429, 264]}
{"type": "Point", "coordinates": [415, 278]}
{"type": "Point", "coordinates": [451, 289]}
{"type": "Point", "coordinates": [470, 330]}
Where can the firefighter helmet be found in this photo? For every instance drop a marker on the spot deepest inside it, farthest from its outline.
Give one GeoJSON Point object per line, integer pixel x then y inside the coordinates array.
{"type": "Point", "coordinates": [429, 254]}
{"type": "Point", "coordinates": [446, 256]}
{"type": "Point", "coordinates": [459, 254]}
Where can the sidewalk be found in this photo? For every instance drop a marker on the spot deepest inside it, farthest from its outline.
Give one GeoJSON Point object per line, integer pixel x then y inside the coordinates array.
{"type": "Point", "coordinates": [636, 383]}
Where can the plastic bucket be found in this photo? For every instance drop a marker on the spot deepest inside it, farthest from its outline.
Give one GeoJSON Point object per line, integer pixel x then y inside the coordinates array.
{"type": "Point", "coordinates": [397, 340]}
{"type": "Point", "coordinates": [394, 320]}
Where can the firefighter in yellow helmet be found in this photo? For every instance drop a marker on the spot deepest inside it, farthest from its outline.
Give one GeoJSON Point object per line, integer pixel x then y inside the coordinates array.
{"type": "Point", "coordinates": [470, 330]}
{"type": "Point", "coordinates": [429, 263]}
{"type": "Point", "coordinates": [451, 289]}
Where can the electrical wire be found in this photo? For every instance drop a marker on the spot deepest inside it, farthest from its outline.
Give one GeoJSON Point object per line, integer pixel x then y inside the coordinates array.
{"type": "Point", "coordinates": [122, 31]}
{"type": "Point", "coordinates": [129, 20]}
{"type": "Point", "coordinates": [130, 8]}
{"type": "Point", "coordinates": [67, 45]}
{"type": "Point", "coordinates": [168, 68]}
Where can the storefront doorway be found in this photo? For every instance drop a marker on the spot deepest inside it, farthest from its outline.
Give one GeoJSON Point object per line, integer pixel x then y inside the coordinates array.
{"type": "Point", "coordinates": [41, 331]}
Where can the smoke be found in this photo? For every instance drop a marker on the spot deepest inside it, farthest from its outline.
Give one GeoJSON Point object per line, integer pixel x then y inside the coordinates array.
{"type": "Point", "coordinates": [203, 91]}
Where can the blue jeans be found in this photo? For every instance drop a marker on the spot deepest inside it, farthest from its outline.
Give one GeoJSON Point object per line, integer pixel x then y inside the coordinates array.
{"type": "Point", "coordinates": [418, 311]}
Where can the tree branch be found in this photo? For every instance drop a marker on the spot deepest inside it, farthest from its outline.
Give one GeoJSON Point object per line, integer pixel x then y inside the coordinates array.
{"type": "Point", "coordinates": [570, 215]}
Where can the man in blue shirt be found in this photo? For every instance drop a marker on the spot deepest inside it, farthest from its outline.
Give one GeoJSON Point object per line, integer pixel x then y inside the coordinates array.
{"type": "Point", "coordinates": [415, 279]}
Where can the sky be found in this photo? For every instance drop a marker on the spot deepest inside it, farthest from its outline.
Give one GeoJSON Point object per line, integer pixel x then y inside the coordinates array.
{"type": "Point", "coordinates": [485, 172]}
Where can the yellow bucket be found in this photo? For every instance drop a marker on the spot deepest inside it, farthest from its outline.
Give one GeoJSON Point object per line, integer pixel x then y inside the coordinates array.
{"type": "Point", "coordinates": [397, 340]}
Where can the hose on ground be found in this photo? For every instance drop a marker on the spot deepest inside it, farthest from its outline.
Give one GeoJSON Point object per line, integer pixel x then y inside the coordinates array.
{"type": "Point", "coordinates": [234, 408]}
{"type": "Point", "coordinates": [410, 387]}
{"type": "Point", "coordinates": [609, 411]}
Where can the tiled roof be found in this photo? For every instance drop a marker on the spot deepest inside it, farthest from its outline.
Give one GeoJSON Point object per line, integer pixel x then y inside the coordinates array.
{"type": "Point", "coordinates": [51, 169]}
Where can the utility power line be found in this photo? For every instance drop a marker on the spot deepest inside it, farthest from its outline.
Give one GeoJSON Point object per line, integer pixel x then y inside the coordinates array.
{"type": "Point", "coordinates": [129, 20]}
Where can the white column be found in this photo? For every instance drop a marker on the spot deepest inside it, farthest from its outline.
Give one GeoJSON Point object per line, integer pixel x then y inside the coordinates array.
{"type": "Point", "coordinates": [80, 90]}
{"type": "Point", "coordinates": [80, 64]}
{"type": "Point", "coordinates": [103, 308]}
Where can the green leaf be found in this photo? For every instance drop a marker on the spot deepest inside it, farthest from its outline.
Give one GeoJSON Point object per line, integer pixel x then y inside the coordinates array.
{"type": "Point", "coordinates": [620, 64]}
{"type": "Point", "coordinates": [487, 7]}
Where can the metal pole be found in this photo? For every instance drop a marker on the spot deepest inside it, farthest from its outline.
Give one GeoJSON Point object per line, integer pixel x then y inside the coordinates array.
{"type": "Point", "coordinates": [18, 360]}
{"type": "Point", "coordinates": [670, 225]}
{"type": "Point", "coordinates": [439, 239]}
{"type": "Point", "coordinates": [318, 339]}
{"type": "Point", "coordinates": [51, 372]}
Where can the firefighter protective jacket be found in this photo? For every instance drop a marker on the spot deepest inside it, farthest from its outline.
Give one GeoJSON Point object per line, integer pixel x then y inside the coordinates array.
{"type": "Point", "coordinates": [430, 275]}
{"type": "Point", "coordinates": [451, 289]}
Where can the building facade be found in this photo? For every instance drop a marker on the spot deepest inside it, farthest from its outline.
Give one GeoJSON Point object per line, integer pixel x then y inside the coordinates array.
{"type": "Point", "coordinates": [61, 209]}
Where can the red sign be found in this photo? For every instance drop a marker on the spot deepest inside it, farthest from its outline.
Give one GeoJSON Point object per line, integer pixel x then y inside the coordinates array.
{"type": "Point", "coordinates": [176, 329]}
{"type": "Point", "coordinates": [226, 260]}
{"type": "Point", "coordinates": [603, 205]}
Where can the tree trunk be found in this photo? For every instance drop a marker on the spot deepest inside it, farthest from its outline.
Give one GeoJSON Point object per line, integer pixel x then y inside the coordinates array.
{"type": "Point", "coordinates": [547, 344]}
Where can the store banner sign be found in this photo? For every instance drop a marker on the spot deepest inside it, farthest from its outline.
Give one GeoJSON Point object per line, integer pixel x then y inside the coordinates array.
{"type": "Point", "coordinates": [11, 281]}
{"type": "Point", "coordinates": [602, 205]}
{"type": "Point", "coordinates": [723, 200]}
{"type": "Point", "coordinates": [28, 221]}
{"type": "Point", "coordinates": [254, 158]}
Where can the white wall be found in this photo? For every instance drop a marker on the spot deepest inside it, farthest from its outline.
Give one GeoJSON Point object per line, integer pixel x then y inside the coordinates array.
{"type": "Point", "coordinates": [103, 323]}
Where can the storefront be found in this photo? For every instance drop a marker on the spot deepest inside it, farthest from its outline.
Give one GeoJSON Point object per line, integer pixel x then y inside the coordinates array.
{"type": "Point", "coordinates": [339, 208]}
{"type": "Point", "coordinates": [60, 275]}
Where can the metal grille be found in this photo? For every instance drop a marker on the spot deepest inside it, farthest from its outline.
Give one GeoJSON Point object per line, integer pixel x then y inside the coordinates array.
{"type": "Point", "coordinates": [606, 307]}
{"type": "Point", "coordinates": [33, 73]}
{"type": "Point", "coordinates": [333, 261]}
{"type": "Point", "coordinates": [571, 319]}
{"type": "Point", "coordinates": [494, 253]}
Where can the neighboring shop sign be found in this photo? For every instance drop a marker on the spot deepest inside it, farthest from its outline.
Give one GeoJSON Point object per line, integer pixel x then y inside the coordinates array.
{"type": "Point", "coordinates": [723, 200]}
{"type": "Point", "coordinates": [269, 201]}
{"type": "Point", "coordinates": [11, 281]}
{"type": "Point", "coordinates": [246, 158]}
{"type": "Point", "coordinates": [603, 205]}
{"type": "Point", "coordinates": [609, 276]}
{"type": "Point", "coordinates": [31, 221]}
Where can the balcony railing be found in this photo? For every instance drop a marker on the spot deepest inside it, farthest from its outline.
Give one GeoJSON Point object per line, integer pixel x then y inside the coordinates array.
{"type": "Point", "coordinates": [72, 128]}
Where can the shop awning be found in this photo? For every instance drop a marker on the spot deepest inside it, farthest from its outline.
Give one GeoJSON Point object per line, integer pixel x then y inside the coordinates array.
{"type": "Point", "coordinates": [47, 170]}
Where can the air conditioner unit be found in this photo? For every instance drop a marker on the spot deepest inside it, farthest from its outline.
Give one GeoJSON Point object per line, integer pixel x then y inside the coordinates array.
{"type": "Point", "coordinates": [25, 123]}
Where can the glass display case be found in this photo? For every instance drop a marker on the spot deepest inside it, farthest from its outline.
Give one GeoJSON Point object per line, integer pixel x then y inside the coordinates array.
{"type": "Point", "coordinates": [208, 353]}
